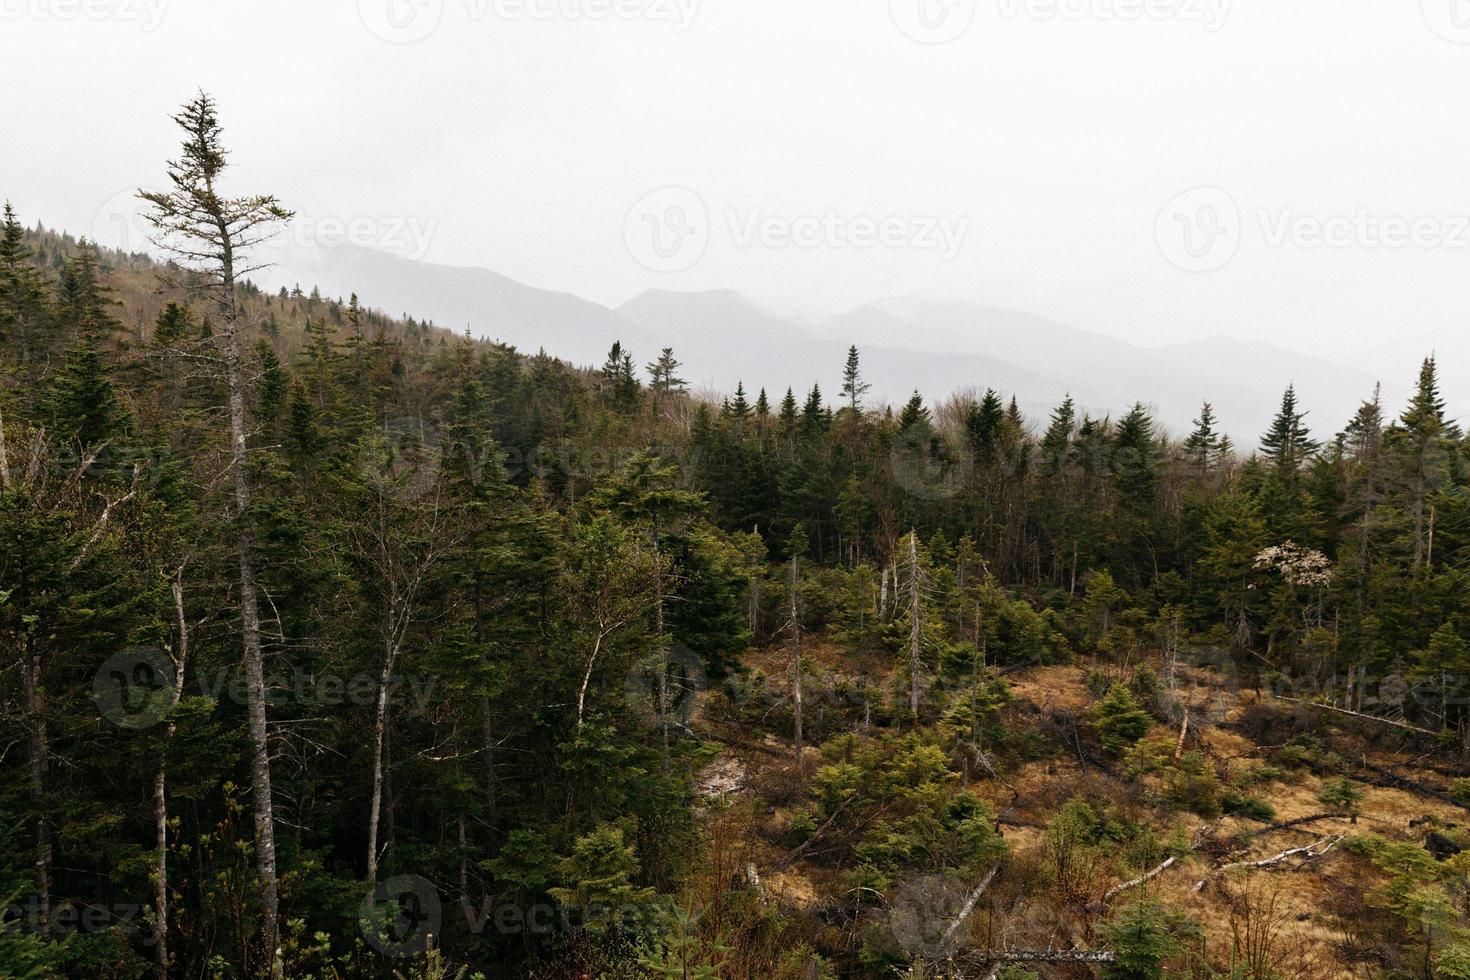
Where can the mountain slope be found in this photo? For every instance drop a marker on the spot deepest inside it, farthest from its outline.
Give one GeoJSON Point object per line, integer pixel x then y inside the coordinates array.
{"type": "Point", "coordinates": [936, 347]}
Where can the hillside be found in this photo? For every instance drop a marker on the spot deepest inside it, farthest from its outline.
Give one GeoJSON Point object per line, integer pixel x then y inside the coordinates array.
{"type": "Point", "coordinates": [343, 645]}
{"type": "Point", "coordinates": [937, 347]}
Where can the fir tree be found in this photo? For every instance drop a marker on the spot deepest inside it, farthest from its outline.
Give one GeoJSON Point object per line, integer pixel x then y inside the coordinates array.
{"type": "Point", "coordinates": [663, 374]}
{"type": "Point", "coordinates": [1288, 443]}
{"type": "Point", "coordinates": [853, 386]}
{"type": "Point", "coordinates": [1202, 448]}
{"type": "Point", "coordinates": [913, 413]}
{"type": "Point", "coordinates": [22, 308]}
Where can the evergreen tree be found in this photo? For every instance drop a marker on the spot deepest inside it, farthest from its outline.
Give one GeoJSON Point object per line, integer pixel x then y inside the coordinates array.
{"type": "Point", "coordinates": [663, 374]}
{"type": "Point", "coordinates": [853, 386]}
{"type": "Point", "coordinates": [914, 413]}
{"type": "Point", "coordinates": [22, 306]}
{"type": "Point", "coordinates": [1202, 448]}
{"type": "Point", "coordinates": [1288, 443]}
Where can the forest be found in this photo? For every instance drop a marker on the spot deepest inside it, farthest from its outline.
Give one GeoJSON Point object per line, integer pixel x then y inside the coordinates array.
{"type": "Point", "coordinates": [339, 644]}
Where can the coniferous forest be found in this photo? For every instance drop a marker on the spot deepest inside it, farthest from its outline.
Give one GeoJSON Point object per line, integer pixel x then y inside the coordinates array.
{"type": "Point", "coordinates": [338, 644]}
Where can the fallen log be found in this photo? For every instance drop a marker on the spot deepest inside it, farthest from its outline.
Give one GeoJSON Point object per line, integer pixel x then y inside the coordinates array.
{"type": "Point", "coordinates": [1168, 862]}
{"type": "Point", "coordinates": [1299, 821]}
{"type": "Point", "coordinates": [969, 906]}
{"type": "Point", "coordinates": [1306, 853]}
{"type": "Point", "coordinates": [805, 846]}
{"type": "Point", "coordinates": [1404, 782]}
{"type": "Point", "coordinates": [1048, 956]}
{"type": "Point", "coordinates": [1358, 714]}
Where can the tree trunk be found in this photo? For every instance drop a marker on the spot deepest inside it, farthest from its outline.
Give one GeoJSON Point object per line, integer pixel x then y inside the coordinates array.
{"type": "Point", "coordinates": [35, 706]}
{"type": "Point", "coordinates": [260, 767]}
{"type": "Point", "coordinates": [380, 733]}
{"type": "Point", "coordinates": [796, 662]}
{"type": "Point", "coordinates": [180, 658]}
{"type": "Point", "coordinates": [915, 626]}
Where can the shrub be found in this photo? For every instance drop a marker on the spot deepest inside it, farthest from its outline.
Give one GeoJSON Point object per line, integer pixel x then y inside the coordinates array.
{"type": "Point", "coordinates": [1120, 721]}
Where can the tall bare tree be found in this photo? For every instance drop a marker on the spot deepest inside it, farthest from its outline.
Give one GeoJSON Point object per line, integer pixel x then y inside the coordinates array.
{"type": "Point", "coordinates": [210, 236]}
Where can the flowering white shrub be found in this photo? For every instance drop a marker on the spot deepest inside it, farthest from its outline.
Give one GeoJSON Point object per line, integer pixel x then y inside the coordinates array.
{"type": "Point", "coordinates": [1297, 565]}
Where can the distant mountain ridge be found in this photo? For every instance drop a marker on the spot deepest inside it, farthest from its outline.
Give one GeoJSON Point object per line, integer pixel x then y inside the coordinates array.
{"type": "Point", "coordinates": [934, 346]}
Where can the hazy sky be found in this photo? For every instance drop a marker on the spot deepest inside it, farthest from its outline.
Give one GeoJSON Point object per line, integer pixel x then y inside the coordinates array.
{"type": "Point", "coordinates": [815, 154]}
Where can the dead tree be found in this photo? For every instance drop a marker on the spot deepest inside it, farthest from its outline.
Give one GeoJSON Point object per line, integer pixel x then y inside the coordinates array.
{"type": "Point", "coordinates": [914, 595]}
{"type": "Point", "coordinates": [179, 655]}
{"type": "Point", "coordinates": [795, 627]}
{"type": "Point", "coordinates": [397, 548]}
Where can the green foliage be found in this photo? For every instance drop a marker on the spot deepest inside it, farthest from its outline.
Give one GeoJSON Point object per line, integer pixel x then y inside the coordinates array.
{"type": "Point", "coordinates": [1143, 936]}
{"type": "Point", "coordinates": [1119, 720]}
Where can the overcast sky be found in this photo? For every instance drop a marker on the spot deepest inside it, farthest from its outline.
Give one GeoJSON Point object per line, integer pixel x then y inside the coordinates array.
{"type": "Point", "coordinates": [816, 154]}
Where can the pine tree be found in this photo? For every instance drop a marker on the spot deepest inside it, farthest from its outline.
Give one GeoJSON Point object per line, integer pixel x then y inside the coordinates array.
{"type": "Point", "coordinates": [22, 306]}
{"type": "Point", "coordinates": [853, 386]}
{"type": "Point", "coordinates": [811, 413]}
{"type": "Point", "coordinates": [1288, 443]}
{"type": "Point", "coordinates": [739, 409]}
{"type": "Point", "coordinates": [983, 425]}
{"type": "Point", "coordinates": [212, 235]}
{"type": "Point", "coordinates": [85, 300]}
{"type": "Point", "coordinates": [914, 413]}
{"type": "Point", "coordinates": [1056, 443]}
{"type": "Point", "coordinates": [1136, 458]}
{"type": "Point", "coordinates": [1422, 444]}
{"type": "Point", "coordinates": [663, 374]}
{"type": "Point", "coordinates": [787, 415]}
{"type": "Point", "coordinates": [1202, 448]}
{"type": "Point", "coordinates": [84, 404]}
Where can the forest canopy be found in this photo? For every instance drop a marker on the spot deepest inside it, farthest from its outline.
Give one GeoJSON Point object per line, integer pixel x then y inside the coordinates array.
{"type": "Point", "coordinates": [340, 644]}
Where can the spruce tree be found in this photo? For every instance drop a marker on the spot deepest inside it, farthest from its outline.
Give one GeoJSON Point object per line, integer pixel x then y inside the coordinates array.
{"type": "Point", "coordinates": [663, 374]}
{"type": "Point", "coordinates": [211, 235]}
{"type": "Point", "coordinates": [913, 413]}
{"type": "Point", "coordinates": [22, 306]}
{"type": "Point", "coordinates": [1202, 447]}
{"type": "Point", "coordinates": [853, 386]}
{"type": "Point", "coordinates": [1288, 443]}
{"type": "Point", "coordinates": [1423, 445]}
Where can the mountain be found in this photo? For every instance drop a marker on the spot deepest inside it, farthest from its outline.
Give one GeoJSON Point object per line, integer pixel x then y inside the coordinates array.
{"type": "Point", "coordinates": [723, 338]}
{"type": "Point", "coordinates": [936, 347]}
{"type": "Point", "coordinates": [1243, 380]}
{"type": "Point", "coordinates": [487, 303]}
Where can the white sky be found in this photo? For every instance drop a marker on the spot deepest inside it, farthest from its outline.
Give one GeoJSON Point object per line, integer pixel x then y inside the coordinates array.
{"type": "Point", "coordinates": [1058, 129]}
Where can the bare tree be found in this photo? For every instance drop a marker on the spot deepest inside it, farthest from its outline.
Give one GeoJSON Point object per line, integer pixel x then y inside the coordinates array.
{"type": "Point", "coordinates": [398, 547]}
{"type": "Point", "coordinates": [210, 236]}
{"type": "Point", "coordinates": [795, 626]}
{"type": "Point", "coordinates": [914, 594]}
{"type": "Point", "coordinates": [179, 655]}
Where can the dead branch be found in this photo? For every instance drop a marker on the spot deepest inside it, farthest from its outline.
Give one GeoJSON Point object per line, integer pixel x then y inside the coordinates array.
{"type": "Point", "coordinates": [1168, 862]}
{"type": "Point", "coordinates": [1358, 714]}
{"type": "Point", "coordinates": [803, 847]}
{"type": "Point", "coordinates": [1311, 851]}
{"type": "Point", "coordinates": [1299, 821]}
{"type": "Point", "coordinates": [969, 906]}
